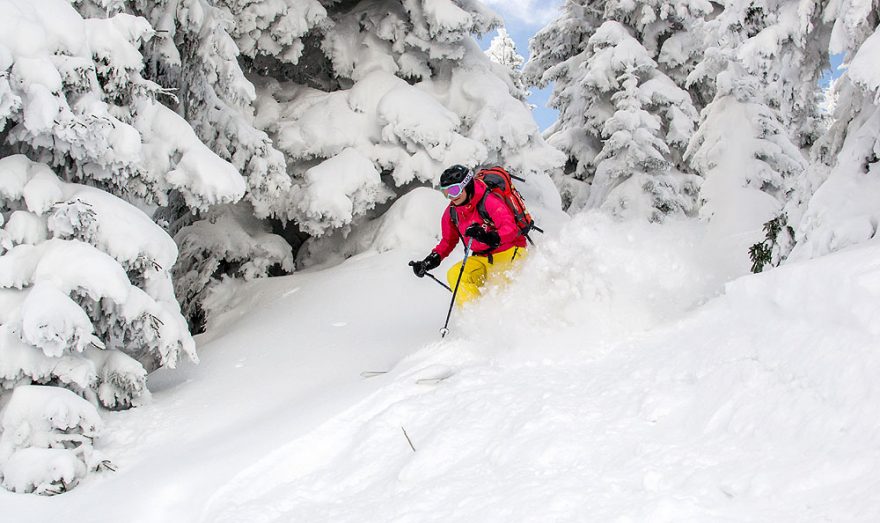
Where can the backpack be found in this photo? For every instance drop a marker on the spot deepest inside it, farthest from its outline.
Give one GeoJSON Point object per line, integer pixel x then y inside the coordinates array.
{"type": "Point", "coordinates": [500, 182]}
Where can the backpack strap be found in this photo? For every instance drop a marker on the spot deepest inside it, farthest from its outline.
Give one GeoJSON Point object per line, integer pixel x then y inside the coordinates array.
{"type": "Point", "coordinates": [481, 210]}
{"type": "Point", "coordinates": [484, 214]}
{"type": "Point", "coordinates": [454, 217]}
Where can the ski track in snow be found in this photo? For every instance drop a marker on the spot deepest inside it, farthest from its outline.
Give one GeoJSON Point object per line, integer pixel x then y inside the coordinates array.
{"type": "Point", "coordinates": [618, 394]}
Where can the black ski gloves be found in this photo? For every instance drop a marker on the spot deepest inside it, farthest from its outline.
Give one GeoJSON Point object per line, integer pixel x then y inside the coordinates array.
{"type": "Point", "coordinates": [432, 261]}
{"type": "Point", "coordinates": [490, 238]}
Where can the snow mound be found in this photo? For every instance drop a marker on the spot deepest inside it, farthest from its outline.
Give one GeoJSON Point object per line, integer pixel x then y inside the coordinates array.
{"type": "Point", "coordinates": [753, 406]}
{"type": "Point", "coordinates": [46, 439]}
{"type": "Point", "coordinates": [412, 222]}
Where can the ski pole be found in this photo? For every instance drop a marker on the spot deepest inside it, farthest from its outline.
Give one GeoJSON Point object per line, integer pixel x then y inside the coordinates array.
{"type": "Point", "coordinates": [426, 273]}
{"type": "Point", "coordinates": [438, 281]}
{"type": "Point", "coordinates": [467, 251]}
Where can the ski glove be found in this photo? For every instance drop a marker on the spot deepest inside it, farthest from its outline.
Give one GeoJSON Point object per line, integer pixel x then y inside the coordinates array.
{"type": "Point", "coordinates": [420, 268]}
{"type": "Point", "coordinates": [490, 238]}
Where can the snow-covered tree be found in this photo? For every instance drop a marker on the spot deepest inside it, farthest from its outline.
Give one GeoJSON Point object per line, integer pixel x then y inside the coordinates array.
{"type": "Point", "coordinates": [775, 51]}
{"type": "Point", "coordinates": [195, 60]}
{"type": "Point", "coordinates": [558, 55]}
{"type": "Point", "coordinates": [637, 169]}
{"type": "Point", "coordinates": [74, 98]}
{"type": "Point", "coordinates": [745, 155]}
{"type": "Point", "coordinates": [228, 242]}
{"type": "Point", "coordinates": [87, 299]}
{"type": "Point", "coordinates": [780, 43]}
{"type": "Point", "coordinates": [838, 203]}
{"type": "Point", "coordinates": [95, 326]}
{"type": "Point", "coordinates": [194, 54]}
{"type": "Point", "coordinates": [86, 303]}
{"type": "Point", "coordinates": [624, 122]}
{"type": "Point", "coordinates": [46, 436]}
{"type": "Point", "coordinates": [383, 96]}
{"type": "Point", "coordinates": [502, 51]}
{"type": "Point", "coordinates": [742, 147]}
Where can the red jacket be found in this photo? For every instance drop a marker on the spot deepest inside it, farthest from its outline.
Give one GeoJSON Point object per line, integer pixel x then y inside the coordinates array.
{"type": "Point", "coordinates": [468, 214]}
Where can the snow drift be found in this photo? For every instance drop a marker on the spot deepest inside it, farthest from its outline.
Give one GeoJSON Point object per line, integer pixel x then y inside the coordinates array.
{"type": "Point", "coordinates": [760, 405]}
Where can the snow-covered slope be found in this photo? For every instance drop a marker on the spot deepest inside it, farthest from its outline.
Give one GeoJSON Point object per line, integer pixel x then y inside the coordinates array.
{"type": "Point", "coordinates": [632, 385]}
{"type": "Point", "coordinates": [287, 357]}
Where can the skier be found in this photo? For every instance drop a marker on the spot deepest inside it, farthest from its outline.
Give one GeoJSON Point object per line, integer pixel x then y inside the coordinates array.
{"type": "Point", "coordinates": [497, 241]}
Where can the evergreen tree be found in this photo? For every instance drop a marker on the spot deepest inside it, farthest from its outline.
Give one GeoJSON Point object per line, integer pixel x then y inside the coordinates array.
{"type": "Point", "coordinates": [194, 54]}
{"type": "Point", "coordinates": [779, 42]}
{"type": "Point", "coordinates": [381, 97]}
{"type": "Point", "coordinates": [74, 107]}
{"type": "Point", "coordinates": [78, 102]}
{"type": "Point", "coordinates": [837, 204]}
{"type": "Point", "coordinates": [95, 327]}
{"type": "Point", "coordinates": [502, 51]}
{"type": "Point", "coordinates": [196, 61]}
{"type": "Point", "coordinates": [559, 55]}
{"type": "Point", "coordinates": [776, 51]}
{"type": "Point", "coordinates": [742, 147]}
{"type": "Point", "coordinates": [46, 437]}
{"type": "Point", "coordinates": [624, 122]}
{"type": "Point", "coordinates": [635, 171]}
{"type": "Point", "coordinates": [362, 99]}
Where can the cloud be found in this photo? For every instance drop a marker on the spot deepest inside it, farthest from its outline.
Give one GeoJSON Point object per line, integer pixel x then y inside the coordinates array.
{"type": "Point", "coordinates": [525, 13]}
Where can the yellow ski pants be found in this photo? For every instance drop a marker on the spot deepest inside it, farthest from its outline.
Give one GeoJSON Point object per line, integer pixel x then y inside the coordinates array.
{"type": "Point", "coordinates": [478, 270]}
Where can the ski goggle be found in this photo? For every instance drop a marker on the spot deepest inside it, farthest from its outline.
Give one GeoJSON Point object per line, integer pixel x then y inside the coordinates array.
{"type": "Point", "coordinates": [456, 189]}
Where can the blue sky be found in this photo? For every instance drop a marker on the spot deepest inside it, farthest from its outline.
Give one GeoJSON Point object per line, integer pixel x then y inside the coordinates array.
{"type": "Point", "coordinates": [834, 72]}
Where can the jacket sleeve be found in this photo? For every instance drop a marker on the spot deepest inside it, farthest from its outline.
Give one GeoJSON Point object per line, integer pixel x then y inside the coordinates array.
{"type": "Point", "coordinates": [502, 217]}
{"type": "Point", "coordinates": [450, 236]}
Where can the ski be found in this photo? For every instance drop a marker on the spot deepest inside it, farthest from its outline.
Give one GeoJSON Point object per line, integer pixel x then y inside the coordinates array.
{"type": "Point", "coordinates": [435, 380]}
{"type": "Point", "coordinates": [420, 381]}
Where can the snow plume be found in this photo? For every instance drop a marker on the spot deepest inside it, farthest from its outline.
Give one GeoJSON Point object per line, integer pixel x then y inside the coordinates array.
{"type": "Point", "coordinates": [585, 278]}
{"type": "Point", "coordinates": [95, 326]}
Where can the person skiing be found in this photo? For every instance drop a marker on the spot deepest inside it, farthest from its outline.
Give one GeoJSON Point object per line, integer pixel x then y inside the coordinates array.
{"type": "Point", "coordinates": [497, 241]}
